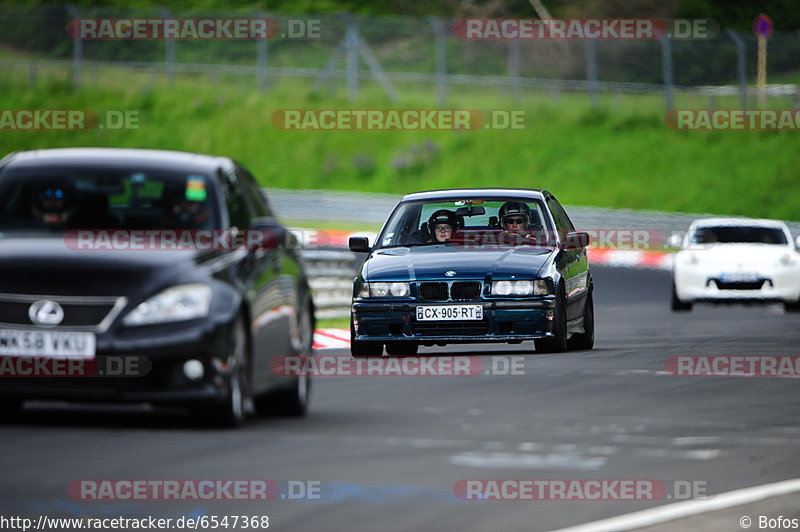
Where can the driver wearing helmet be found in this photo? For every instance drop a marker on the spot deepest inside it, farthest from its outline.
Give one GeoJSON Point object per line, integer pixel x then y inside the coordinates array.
{"type": "Point", "coordinates": [517, 218]}
{"type": "Point", "coordinates": [442, 225]}
{"type": "Point", "coordinates": [54, 205]}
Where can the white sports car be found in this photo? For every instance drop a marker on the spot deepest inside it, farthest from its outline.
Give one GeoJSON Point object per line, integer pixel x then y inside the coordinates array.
{"type": "Point", "coordinates": [729, 260]}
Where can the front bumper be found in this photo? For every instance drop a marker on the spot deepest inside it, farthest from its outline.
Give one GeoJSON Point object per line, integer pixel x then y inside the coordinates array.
{"type": "Point", "coordinates": [157, 376]}
{"type": "Point", "coordinates": [696, 285]}
{"type": "Point", "coordinates": [503, 321]}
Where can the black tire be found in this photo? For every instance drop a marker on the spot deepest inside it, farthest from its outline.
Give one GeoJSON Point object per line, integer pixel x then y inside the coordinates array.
{"type": "Point", "coordinates": [558, 342]}
{"type": "Point", "coordinates": [363, 349]}
{"type": "Point", "coordinates": [676, 304]}
{"type": "Point", "coordinates": [585, 340]}
{"type": "Point", "coordinates": [403, 349]}
{"type": "Point", "coordinates": [232, 411]}
{"type": "Point", "coordinates": [10, 409]}
{"type": "Point", "coordinates": [294, 400]}
{"type": "Point", "coordinates": [792, 307]}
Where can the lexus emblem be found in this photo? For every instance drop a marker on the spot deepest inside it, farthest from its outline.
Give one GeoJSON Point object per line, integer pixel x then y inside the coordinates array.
{"type": "Point", "coordinates": [46, 312]}
{"type": "Point", "coordinates": [450, 273]}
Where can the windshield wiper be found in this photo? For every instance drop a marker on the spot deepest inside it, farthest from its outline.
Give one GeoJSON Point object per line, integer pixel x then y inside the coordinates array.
{"type": "Point", "coordinates": [412, 245]}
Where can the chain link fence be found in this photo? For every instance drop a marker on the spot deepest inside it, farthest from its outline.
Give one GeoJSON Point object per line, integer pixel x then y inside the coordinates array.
{"type": "Point", "coordinates": [400, 53]}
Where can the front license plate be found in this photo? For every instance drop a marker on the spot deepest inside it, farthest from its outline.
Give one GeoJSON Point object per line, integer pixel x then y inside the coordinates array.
{"type": "Point", "coordinates": [450, 313]}
{"type": "Point", "coordinates": [16, 342]}
{"type": "Point", "coordinates": [739, 277]}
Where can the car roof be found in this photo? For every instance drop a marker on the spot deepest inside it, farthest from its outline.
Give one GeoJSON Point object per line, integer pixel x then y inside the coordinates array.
{"type": "Point", "coordinates": [739, 221]}
{"type": "Point", "coordinates": [114, 157]}
{"type": "Point", "coordinates": [449, 193]}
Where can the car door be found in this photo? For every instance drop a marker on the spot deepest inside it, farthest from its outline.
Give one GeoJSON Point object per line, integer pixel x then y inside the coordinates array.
{"type": "Point", "coordinates": [572, 263]}
{"type": "Point", "coordinates": [258, 279]}
{"type": "Point", "coordinates": [276, 272]}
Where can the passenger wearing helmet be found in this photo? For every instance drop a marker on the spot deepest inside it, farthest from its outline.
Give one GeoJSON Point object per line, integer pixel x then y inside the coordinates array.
{"type": "Point", "coordinates": [442, 224]}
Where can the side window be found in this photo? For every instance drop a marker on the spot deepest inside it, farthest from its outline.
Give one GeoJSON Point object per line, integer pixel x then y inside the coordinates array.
{"type": "Point", "coordinates": [560, 226]}
{"type": "Point", "coordinates": [254, 195]}
{"type": "Point", "coordinates": [563, 223]}
{"type": "Point", "coordinates": [234, 202]}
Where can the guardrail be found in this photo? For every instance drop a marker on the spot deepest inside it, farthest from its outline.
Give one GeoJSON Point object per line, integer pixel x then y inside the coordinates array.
{"type": "Point", "coordinates": [331, 275]}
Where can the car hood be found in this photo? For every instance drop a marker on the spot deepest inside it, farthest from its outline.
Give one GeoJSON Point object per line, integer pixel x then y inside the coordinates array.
{"type": "Point", "coordinates": [431, 262]}
{"type": "Point", "coordinates": [48, 266]}
{"type": "Point", "coordinates": [740, 256]}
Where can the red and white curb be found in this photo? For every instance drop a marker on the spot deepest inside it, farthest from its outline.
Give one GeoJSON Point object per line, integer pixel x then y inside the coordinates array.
{"type": "Point", "coordinates": [631, 258]}
{"type": "Point", "coordinates": [332, 339]}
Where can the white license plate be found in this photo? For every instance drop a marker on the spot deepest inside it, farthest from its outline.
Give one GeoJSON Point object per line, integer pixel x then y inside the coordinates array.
{"type": "Point", "coordinates": [449, 312]}
{"type": "Point", "coordinates": [739, 277]}
{"type": "Point", "coordinates": [33, 343]}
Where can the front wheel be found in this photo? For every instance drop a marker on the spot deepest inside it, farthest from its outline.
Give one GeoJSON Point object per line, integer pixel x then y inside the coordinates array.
{"type": "Point", "coordinates": [10, 409]}
{"type": "Point", "coordinates": [585, 340]}
{"type": "Point", "coordinates": [294, 400]}
{"type": "Point", "coordinates": [558, 342]}
{"type": "Point", "coordinates": [676, 304]}
{"type": "Point", "coordinates": [403, 349]}
{"type": "Point", "coordinates": [231, 412]}
{"type": "Point", "coordinates": [792, 307]}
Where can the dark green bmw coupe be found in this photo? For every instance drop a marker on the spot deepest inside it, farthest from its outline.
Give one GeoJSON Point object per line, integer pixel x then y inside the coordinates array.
{"type": "Point", "coordinates": [471, 266]}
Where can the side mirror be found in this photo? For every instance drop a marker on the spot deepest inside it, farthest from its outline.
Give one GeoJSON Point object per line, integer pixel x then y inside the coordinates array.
{"type": "Point", "coordinates": [576, 240]}
{"type": "Point", "coordinates": [359, 244]}
{"type": "Point", "coordinates": [797, 242]}
{"type": "Point", "coordinates": [675, 240]}
{"type": "Point", "coordinates": [267, 233]}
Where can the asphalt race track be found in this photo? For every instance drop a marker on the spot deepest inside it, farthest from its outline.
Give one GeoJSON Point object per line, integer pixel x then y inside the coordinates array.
{"type": "Point", "coordinates": [389, 450]}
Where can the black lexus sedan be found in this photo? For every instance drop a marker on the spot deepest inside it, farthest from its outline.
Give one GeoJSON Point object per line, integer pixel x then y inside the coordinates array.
{"type": "Point", "coordinates": [113, 256]}
{"type": "Point", "coordinates": [470, 266]}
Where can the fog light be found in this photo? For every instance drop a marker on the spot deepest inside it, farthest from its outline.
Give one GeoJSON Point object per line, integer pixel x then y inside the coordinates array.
{"type": "Point", "coordinates": [193, 369]}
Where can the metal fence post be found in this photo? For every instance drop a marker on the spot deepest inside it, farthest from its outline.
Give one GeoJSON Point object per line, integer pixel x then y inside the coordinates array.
{"type": "Point", "coordinates": [32, 73]}
{"type": "Point", "coordinates": [513, 66]}
{"type": "Point", "coordinates": [169, 47]}
{"type": "Point", "coordinates": [741, 63]}
{"type": "Point", "coordinates": [351, 57]}
{"type": "Point", "coordinates": [441, 60]}
{"type": "Point", "coordinates": [77, 51]}
{"type": "Point", "coordinates": [666, 71]}
{"type": "Point", "coordinates": [591, 70]}
{"type": "Point", "coordinates": [262, 57]}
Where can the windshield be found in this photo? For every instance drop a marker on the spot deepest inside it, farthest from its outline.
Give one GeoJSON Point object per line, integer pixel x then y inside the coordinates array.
{"type": "Point", "coordinates": [43, 200]}
{"type": "Point", "coordinates": [738, 235]}
{"type": "Point", "coordinates": [479, 222]}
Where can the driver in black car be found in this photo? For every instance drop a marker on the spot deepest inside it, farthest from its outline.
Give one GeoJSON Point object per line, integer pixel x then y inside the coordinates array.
{"type": "Point", "coordinates": [54, 205]}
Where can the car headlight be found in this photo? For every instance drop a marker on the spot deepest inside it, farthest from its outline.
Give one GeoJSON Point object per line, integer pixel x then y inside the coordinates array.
{"type": "Point", "coordinates": [384, 290]}
{"type": "Point", "coordinates": [177, 303]}
{"type": "Point", "coordinates": [787, 260]}
{"type": "Point", "coordinates": [523, 287]}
